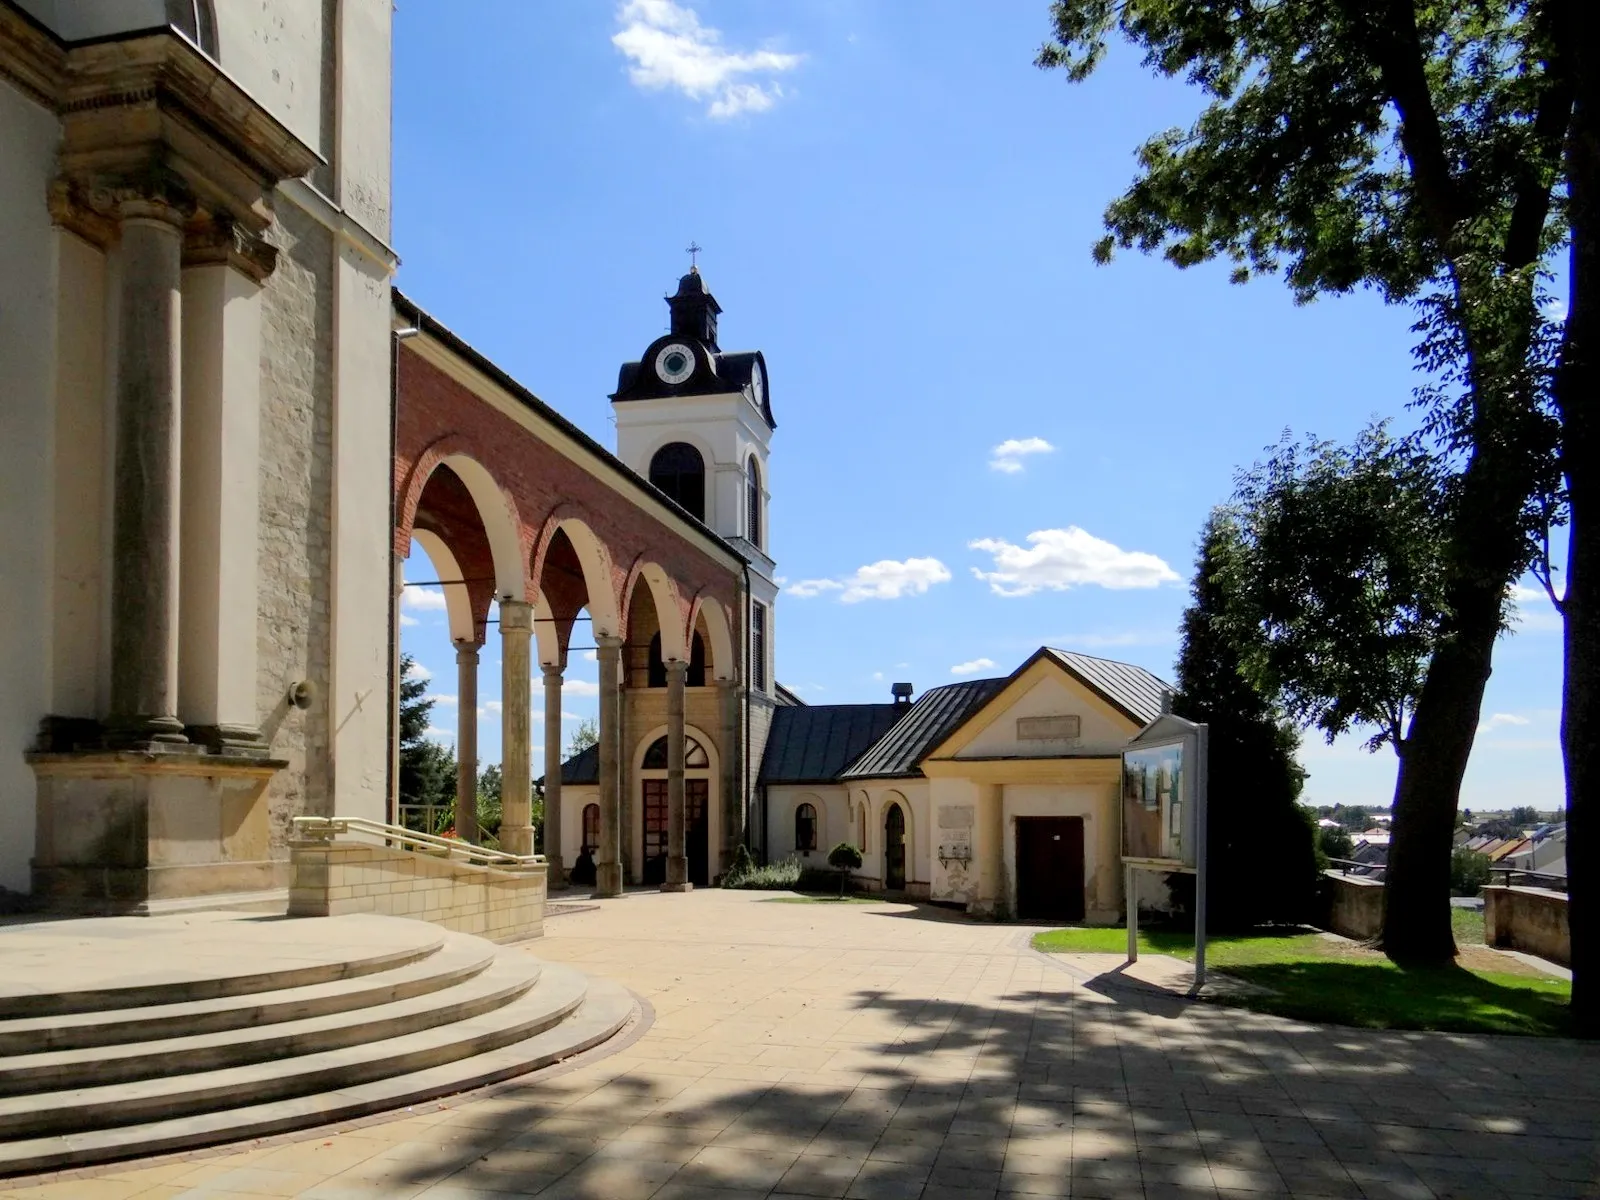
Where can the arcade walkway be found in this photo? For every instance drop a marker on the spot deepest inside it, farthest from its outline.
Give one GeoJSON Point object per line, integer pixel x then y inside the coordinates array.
{"type": "Point", "coordinates": [880, 1051]}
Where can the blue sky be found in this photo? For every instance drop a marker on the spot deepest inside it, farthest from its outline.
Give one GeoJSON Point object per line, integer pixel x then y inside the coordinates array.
{"type": "Point", "coordinates": [899, 214]}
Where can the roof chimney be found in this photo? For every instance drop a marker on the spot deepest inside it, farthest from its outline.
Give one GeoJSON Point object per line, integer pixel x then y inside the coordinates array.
{"type": "Point", "coordinates": [902, 694]}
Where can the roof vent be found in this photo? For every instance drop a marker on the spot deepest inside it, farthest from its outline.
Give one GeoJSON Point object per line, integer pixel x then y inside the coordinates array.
{"type": "Point", "coordinates": [901, 693]}
{"type": "Point", "coordinates": [1166, 701]}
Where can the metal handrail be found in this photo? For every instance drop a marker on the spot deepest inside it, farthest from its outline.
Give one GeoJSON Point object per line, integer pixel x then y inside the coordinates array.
{"type": "Point", "coordinates": [325, 829]}
{"type": "Point", "coordinates": [1508, 872]}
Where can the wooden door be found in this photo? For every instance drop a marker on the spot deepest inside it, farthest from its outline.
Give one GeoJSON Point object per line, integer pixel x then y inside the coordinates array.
{"type": "Point", "coordinates": [1050, 868]}
{"type": "Point", "coordinates": [655, 831]}
{"type": "Point", "coordinates": [894, 849]}
{"type": "Point", "coordinates": [697, 830]}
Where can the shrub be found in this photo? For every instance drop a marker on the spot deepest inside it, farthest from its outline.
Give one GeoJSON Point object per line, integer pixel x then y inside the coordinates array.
{"type": "Point", "coordinates": [774, 877]}
{"type": "Point", "coordinates": [1469, 871]}
{"type": "Point", "coordinates": [844, 858]}
{"type": "Point", "coordinates": [741, 866]}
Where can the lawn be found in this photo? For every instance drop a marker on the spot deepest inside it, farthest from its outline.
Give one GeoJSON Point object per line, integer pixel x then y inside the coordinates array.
{"type": "Point", "coordinates": [820, 899]}
{"type": "Point", "coordinates": [1315, 978]}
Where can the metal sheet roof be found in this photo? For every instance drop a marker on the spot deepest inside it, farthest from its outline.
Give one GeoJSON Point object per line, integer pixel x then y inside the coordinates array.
{"type": "Point", "coordinates": [930, 721]}
{"type": "Point", "coordinates": [814, 743]}
{"type": "Point", "coordinates": [1132, 689]}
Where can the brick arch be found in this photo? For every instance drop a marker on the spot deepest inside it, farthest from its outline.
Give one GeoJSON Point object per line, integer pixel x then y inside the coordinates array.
{"type": "Point", "coordinates": [596, 562]}
{"type": "Point", "coordinates": [718, 632]}
{"type": "Point", "coordinates": [496, 507]}
{"type": "Point", "coordinates": [669, 606]}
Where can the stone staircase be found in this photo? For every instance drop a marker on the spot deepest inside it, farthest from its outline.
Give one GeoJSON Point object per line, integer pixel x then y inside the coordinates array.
{"type": "Point", "coordinates": [128, 1036]}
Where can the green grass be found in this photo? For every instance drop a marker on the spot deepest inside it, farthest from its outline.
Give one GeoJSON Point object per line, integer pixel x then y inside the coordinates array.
{"type": "Point", "coordinates": [1468, 926]}
{"type": "Point", "coordinates": [820, 899]}
{"type": "Point", "coordinates": [1314, 979]}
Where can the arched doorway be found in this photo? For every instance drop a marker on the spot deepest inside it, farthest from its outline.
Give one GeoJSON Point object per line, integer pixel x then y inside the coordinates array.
{"type": "Point", "coordinates": [696, 811]}
{"type": "Point", "coordinates": [894, 849]}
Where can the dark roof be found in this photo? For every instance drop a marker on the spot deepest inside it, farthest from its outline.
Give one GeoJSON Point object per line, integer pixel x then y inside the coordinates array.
{"type": "Point", "coordinates": [784, 696]}
{"type": "Point", "coordinates": [582, 767]}
{"type": "Point", "coordinates": [931, 719]}
{"type": "Point", "coordinates": [436, 330]}
{"type": "Point", "coordinates": [1131, 689]}
{"type": "Point", "coordinates": [720, 372]}
{"type": "Point", "coordinates": [813, 743]}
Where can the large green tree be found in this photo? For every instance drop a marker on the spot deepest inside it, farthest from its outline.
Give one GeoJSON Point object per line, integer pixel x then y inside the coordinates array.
{"type": "Point", "coordinates": [1258, 836]}
{"type": "Point", "coordinates": [1414, 147]}
{"type": "Point", "coordinates": [427, 769]}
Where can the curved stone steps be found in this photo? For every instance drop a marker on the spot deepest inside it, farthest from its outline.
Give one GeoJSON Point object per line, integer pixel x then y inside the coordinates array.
{"type": "Point", "coordinates": [494, 985]}
{"type": "Point", "coordinates": [558, 993]}
{"type": "Point", "coordinates": [457, 959]}
{"type": "Point", "coordinates": [604, 1010]}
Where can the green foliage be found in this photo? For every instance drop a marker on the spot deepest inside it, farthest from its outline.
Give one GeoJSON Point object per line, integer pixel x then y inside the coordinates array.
{"type": "Point", "coordinates": [1524, 816]}
{"type": "Point", "coordinates": [1335, 843]}
{"type": "Point", "coordinates": [1469, 871]}
{"type": "Point", "coordinates": [779, 876]}
{"type": "Point", "coordinates": [1259, 840]}
{"type": "Point", "coordinates": [1314, 979]}
{"type": "Point", "coordinates": [489, 810]}
{"type": "Point", "coordinates": [844, 857]}
{"type": "Point", "coordinates": [427, 769]}
{"type": "Point", "coordinates": [585, 735]}
{"type": "Point", "coordinates": [1333, 565]}
{"type": "Point", "coordinates": [739, 868]}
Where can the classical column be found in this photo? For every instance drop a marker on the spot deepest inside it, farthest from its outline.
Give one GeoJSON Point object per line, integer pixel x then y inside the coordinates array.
{"type": "Point", "coordinates": [144, 539]}
{"type": "Point", "coordinates": [516, 689]}
{"type": "Point", "coordinates": [677, 861]}
{"type": "Point", "coordinates": [608, 870]}
{"type": "Point", "coordinates": [732, 793]}
{"type": "Point", "coordinates": [467, 741]}
{"type": "Point", "coordinates": [552, 776]}
{"type": "Point", "coordinates": [991, 850]}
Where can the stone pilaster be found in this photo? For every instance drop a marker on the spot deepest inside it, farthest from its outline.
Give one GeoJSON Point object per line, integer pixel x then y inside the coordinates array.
{"type": "Point", "coordinates": [732, 793]}
{"type": "Point", "coordinates": [677, 862]}
{"type": "Point", "coordinates": [552, 775]}
{"type": "Point", "coordinates": [144, 540]}
{"type": "Point", "coordinates": [467, 741]}
{"type": "Point", "coordinates": [516, 687]}
{"type": "Point", "coordinates": [608, 870]}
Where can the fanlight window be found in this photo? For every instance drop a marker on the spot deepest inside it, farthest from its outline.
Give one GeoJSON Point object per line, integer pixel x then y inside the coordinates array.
{"type": "Point", "coordinates": [805, 828]}
{"type": "Point", "coordinates": [694, 755]}
{"type": "Point", "coordinates": [679, 471]}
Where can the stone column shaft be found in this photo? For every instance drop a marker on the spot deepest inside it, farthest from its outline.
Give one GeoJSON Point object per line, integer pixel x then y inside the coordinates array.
{"type": "Point", "coordinates": [677, 860]}
{"type": "Point", "coordinates": [552, 776]}
{"type": "Point", "coordinates": [608, 870]}
{"type": "Point", "coordinates": [467, 742]}
{"type": "Point", "coordinates": [144, 563]}
{"type": "Point", "coordinates": [991, 849]}
{"type": "Point", "coordinates": [516, 688]}
{"type": "Point", "coordinates": [732, 793]}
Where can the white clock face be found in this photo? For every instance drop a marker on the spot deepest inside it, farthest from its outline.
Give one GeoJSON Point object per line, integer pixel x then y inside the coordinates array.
{"type": "Point", "coordinates": [758, 384]}
{"type": "Point", "coordinates": [675, 363]}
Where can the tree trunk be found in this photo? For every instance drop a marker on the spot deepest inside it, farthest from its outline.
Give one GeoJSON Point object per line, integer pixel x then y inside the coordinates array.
{"type": "Point", "coordinates": [1580, 460]}
{"type": "Point", "coordinates": [1416, 923]}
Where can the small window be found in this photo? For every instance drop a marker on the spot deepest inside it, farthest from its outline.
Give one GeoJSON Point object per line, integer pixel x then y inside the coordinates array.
{"type": "Point", "coordinates": [805, 828]}
{"type": "Point", "coordinates": [694, 755]}
{"type": "Point", "coordinates": [752, 495]}
{"type": "Point", "coordinates": [591, 827]}
{"type": "Point", "coordinates": [758, 647]}
{"type": "Point", "coordinates": [679, 470]}
{"type": "Point", "coordinates": [656, 667]}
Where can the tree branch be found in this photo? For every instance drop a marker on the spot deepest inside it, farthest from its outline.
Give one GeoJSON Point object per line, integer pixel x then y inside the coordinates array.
{"type": "Point", "coordinates": [1532, 205]}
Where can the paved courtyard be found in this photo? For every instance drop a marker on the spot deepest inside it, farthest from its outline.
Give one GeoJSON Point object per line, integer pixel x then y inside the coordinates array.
{"type": "Point", "coordinates": [886, 1051]}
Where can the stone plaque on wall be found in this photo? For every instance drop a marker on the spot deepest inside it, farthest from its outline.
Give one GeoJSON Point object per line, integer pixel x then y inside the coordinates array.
{"type": "Point", "coordinates": [1049, 729]}
{"type": "Point", "coordinates": [955, 816]}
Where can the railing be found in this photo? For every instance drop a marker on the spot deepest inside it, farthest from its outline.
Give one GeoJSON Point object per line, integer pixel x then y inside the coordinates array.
{"type": "Point", "coordinates": [1555, 883]}
{"type": "Point", "coordinates": [325, 829]}
{"type": "Point", "coordinates": [427, 818]}
{"type": "Point", "coordinates": [1346, 865]}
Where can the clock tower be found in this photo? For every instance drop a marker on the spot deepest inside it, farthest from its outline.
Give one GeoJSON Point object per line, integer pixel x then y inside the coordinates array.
{"type": "Point", "coordinates": [696, 421]}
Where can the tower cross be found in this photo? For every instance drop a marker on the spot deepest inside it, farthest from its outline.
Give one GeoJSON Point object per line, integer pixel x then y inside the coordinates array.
{"type": "Point", "coordinates": [692, 250]}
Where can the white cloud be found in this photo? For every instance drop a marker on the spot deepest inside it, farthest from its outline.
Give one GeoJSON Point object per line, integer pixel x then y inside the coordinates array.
{"type": "Point", "coordinates": [886, 579]}
{"type": "Point", "coordinates": [579, 687]}
{"type": "Point", "coordinates": [1008, 455]}
{"type": "Point", "coordinates": [423, 599]}
{"type": "Point", "coordinates": [1534, 612]}
{"type": "Point", "coordinates": [877, 676]}
{"type": "Point", "coordinates": [407, 619]}
{"type": "Point", "coordinates": [1500, 720]}
{"type": "Point", "coordinates": [1059, 559]}
{"type": "Point", "coordinates": [436, 734]}
{"type": "Point", "coordinates": [446, 699]}
{"type": "Point", "coordinates": [590, 656]}
{"type": "Point", "coordinates": [418, 671]}
{"type": "Point", "coordinates": [972, 667]}
{"type": "Point", "coordinates": [667, 47]}
{"type": "Point", "coordinates": [490, 706]}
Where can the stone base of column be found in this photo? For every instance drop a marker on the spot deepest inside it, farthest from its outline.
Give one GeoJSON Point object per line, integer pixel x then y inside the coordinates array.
{"type": "Point", "coordinates": [150, 734]}
{"type": "Point", "coordinates": [608, 879]}
{"type": "Point", "coordinates": [677, 875]}
{"type": "Point", "coordinates": [518, 840]}
{"type": "Point", "coordinates": [238, 740]}
{"type": "Point", "coordinates": [677, 887]}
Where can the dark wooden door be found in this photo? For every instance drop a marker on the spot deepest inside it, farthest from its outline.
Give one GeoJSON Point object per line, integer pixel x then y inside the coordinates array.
{"type": "Point", "coordinates": [655, 831]}
{"type": "Point", "coordinates": [894, 849]}
{"type": "Point", "coordinates": [1050, 868]}
{"type": "Point", "coordinates": [697, 830]}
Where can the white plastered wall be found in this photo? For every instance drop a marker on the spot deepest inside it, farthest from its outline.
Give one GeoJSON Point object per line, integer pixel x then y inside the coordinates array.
{"type": "Point", "coordinates": [1102, 861]}
{"type": "Point", "coordinates": [915, 795]}
{"type": "Point", "coordinates": [832, 825]}
{"type": "Point", "coordinates": [28, 286]}
{"type": "Point", "coordinates": [1103, 730]}
{"type": "Point", "coordinates": [574, 798]}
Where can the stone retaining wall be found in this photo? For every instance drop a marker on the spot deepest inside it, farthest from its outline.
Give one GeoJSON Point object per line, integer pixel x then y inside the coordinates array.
{"type": "Point", "coordinates": [331, 879]}
{"type": "Point", "coordinates": [1533, 920]}
{"type": "Point", "coordinates": [1354, 905]}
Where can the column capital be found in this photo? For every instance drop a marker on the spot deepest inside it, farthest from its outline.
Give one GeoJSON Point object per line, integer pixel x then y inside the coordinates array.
{"type": "Point", "coordinates": [94, 205]}
{"type": "Point", "coordinates": [223, 241]}
{"type": "Point", "coordinates": [516, 615]}
{"type": "Point", "coordinates": [552, 671]}
{"type": "Point", "coordinates": [467, 652]}
{"type": "Point", "coordinates": [676, 666]}
{"type": "Point", "coordinates": [608, 641]}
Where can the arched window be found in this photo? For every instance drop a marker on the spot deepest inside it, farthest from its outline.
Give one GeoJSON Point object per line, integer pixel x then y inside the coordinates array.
{"type": "Point", "coordinates": [679, 471]}
{"type": "Point", "coordinates": [752, 498]}
{"type": "Point", "coordinates": [591, 827]}
{"type": "Point", "coordinates": [805, 828]}
{"type": "Point", "coordinates": [694, 755]}
{"type": "Point", "coordinates": [656, 666]}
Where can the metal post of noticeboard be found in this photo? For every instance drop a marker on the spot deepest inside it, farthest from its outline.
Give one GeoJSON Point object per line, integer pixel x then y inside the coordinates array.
{"type": "Point", "coordinates": [1130, 890]}
{"type": "Point", "coordinates": [1203, 769]}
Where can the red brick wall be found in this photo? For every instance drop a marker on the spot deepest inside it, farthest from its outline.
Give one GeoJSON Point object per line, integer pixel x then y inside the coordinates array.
{"type": "Point", "coordinates": [439, 417]}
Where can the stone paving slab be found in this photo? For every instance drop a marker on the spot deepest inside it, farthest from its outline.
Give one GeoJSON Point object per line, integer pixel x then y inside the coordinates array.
{"type": "Point", "coordinates": [871, 1052]}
